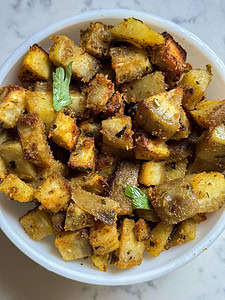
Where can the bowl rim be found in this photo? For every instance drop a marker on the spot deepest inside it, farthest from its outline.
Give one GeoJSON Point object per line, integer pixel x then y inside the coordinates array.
{"type": "Point", "coordinates": [203, 244]}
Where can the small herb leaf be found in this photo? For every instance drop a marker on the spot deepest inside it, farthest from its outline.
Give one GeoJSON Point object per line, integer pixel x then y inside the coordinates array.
{"type": "Point", "coordinates": [61, 84]}
{"type": "Point", "coordinates": [139, 199]}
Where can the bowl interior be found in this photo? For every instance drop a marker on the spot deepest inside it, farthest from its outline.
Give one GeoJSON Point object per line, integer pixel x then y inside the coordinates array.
{"type": "Point", "coordinates": [44, 252]}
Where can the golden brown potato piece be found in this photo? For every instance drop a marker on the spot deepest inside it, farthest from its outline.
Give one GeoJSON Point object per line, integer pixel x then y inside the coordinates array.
{"type": "Point", "coordinates": [73, 245]}
{"type": "Point", "coordinates": [16, 189]}
{"type": "Point", "coordinates": [65, 50]}
{"type": "Point", "coordinates": [89, 128]}
{"type": "Point", "coordinates": [33, 139]}
{"type": "Point", "coordinates": [54, 193]}
{"type": "Point", "coordinates": [36, 65]}
{"type": "Point", "coordinates": [175, 170]}
{"type": "Point", "coordinates": [101, 261]}
{"type": "Point", "coordinates": [12, 105]}
{"type": "Point", "coordinates": [141, 230]}
{"type": "Point", "coordinates": [195, 83]}
{"type": "Point", "coordinates": [129, 63]}
{"type": "Point", "coordinates": [56, 167]}
{"type": "Point", "coordinates": [160, 114]}
{"type": "Point", "coordinates": [131, 251]}
{"type": "Point", "coordinates": [36, 224]}
{"type": "Point", "coordinates": [3, 170]}
{"type": "Point", "coordinates": [126, 174]}
{"type": "Point", "coordinates": [169, 57]}
{"type": "Point", "coordinates": [96, 39]}
{"type": "Point", "coordinates": [185, 127]}
{"type": "Point", "coordinates": [136, 32]}
{"type": "Point", "coordinates": [104, 238]}
{"type": "Point", "coordinates": [152, 173]}
{"type": "Point", "coordinates": [96, 184]}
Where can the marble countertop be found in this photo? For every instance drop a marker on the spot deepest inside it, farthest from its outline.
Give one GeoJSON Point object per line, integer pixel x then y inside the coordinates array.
{"type": "Point", "coordinates": [22, 279]}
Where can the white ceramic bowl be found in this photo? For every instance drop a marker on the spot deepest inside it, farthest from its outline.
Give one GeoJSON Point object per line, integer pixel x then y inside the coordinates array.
{"type": "Point", "coordinates": [44, 252]}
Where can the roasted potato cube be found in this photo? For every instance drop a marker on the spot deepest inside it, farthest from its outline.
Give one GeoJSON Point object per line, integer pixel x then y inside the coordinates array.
{"type": "Point", "coordinates": [3, 170]}
{"type": "Point", "coordinates": [185, 127]}
{"type": "Point", "coordinates": [136, 32]}
{"type": "Point", "coordinates": [141, 230]}
{"type": "Point", "coordinates": [160, 114]}
{"type": "Point", "coordinates": [83, 157]}
{"type": "Point", "coordinates": [152, 173]}
{"type": "Point", "coordinates": [131, 251]}
{"type": "Point", "coordinates": [36, 65]}
{"type": "Point", "coordinates": [79, 104]}
{"type": "Point", "coordinates": [54, 193]}
{"type": "Point", "coordinates": [158, 238]}
{"type": "Point", "coordinates": [58, 221]}
{"type": "Point", "coordinates": [96, 184]}
{"type": "Point", "coordinates": [149, 85]}
{"type": "Point", "coordinates": [12, 154]}
{"type": "Point", "coordinates": [169, 57]}
{"type": "Point", "coordinates": [89, 128]}
{"type": "Point", "coordinates": [106, 165]}
{"type": "Point", "coordinates": [101, 261]}
{"type": "Point", "coordinates": [16, 189]}
{"type": "Point", "coordinates": [12, 105]}
{"type": "Point", "coordinates": [175, 170]}
{"type": "Point", "coordinates": [195, 83]}
{"type": "Point", "coordinates": [129, 63]}
{"type": "Point", "coordinates": [96, 39]}
{"type": "Point", "coordinates": [77, 218]}
{"type": "Point", "coordinates": [73, 245]}
{"type": "Point", "coordinates": [65, 50]}
{"type": "Point", "coordinates": [36, 224]}
{"type": "Point", "coordinates": [209, 113]}
{"type": "Point", "coordinates": [104, 238]}
{"type": "Point", "coordinates": [126, 174]}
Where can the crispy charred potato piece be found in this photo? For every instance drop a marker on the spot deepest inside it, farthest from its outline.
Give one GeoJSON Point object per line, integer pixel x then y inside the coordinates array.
{"type": "Point", "coordinates": [195, 83]}
{"type": "Point", "coordinates": [106, 165]}
{"type": "Point", "coordinates": [12, 105]}
{"type": "Point", "coordinates": [158, 238]}
{"type": "Point", "coordinates": [36, 65]}
{"type": "Point", "coordinates": [16, 189]}
{"type": "Point", "coordinates": [141, 230]}
{"type": "Point", "coordinates": [77, 218]}
{"type": "Point", "coordinates": [73, 245]}
{"type": "Point", "coordinates": [179, 150]}
{"type": "Point", "coordinates": [209, 113]}
{"type": "Point", "coordinates": [101, 261]}
{"type": "Point", "coordinates": [152, 173]}
{"type": "Point", "coordinates": [131, 251]}
{"type": "Point", "coordinates": [149, 85]}
{"type": "Point", "coordinates": [160, 114]}
{"type": "Point", "coordinates": [36, 224]}
{"type": "Point", "coordinates": [65, 50]}
{"type": "Point", "coordinates": [104, 238]}
{"type": "Point", "coordinates": [3, 170]}
{"type": "Point", "coordinates": [129, 63]}
{"type": "Point", "coordinates": [175, 170]}
{"type": "Point", "coordinates": [34, 143]}
{"type": "Point", "coordinates": [12, 154]}
{"type": "Point", "coordinates": [136, 32]}
{"type": "Point", "coordinates": [169, 57]}
{"type": "Point", "coordinates": [150, 149]}
{"type": "Point", "coordinates": [58, 221]}
{"type": "Point", "coordinates": [115, 105]}
{"type": "Point", "coordinates": [96, 184]}
{"type": "Point", "coordinates": [54, 193]}
{"type": "Point", "coordinates": [102, 208]}
{"type": "Point", "coordinates": [96, 39]}
{"type": "Point", "coordinates": [126, 174]}
{"type": "Point", "coordinates": [148, 215]}
{"type": "Point", "coordinates": [83, 157]}
{"type": "Point", "coordinates": [79, 104]}
{"type": "Point", "coordinates": [185, 127]}
{"type": "Point", "coordinates": [89, 128]}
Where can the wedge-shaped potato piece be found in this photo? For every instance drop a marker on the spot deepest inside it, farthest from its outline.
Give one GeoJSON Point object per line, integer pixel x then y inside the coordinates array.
{"type": "Point", "coordinates": [58, 221]}
{"type": "Point", "coordinates": [150, 149]}
{"type": "Point", "coordinates": [96, 39]}
{"type": "Point", "coordinates": [175, 170]}
{"type": "Point", "coordinates": [65, 50]}
{"type": "Point", "coordinates": [96, 184]}
{"type": "Point", "coordinates": [12, 105]}
{"type": "Point", "coordinates": [131, 251]}
{"type": "Point", "coordinates": [152, 173]}
{"type": "Point", "coordinates": [136, 32]}
{"type": "Point", "coordinates": [141, 230]}
{"type": "Point", "coordinates": [101, 261]}
{"type": "Point", "coordinates": [73, 245]}
{"type": "Point", "coordinates": [160, 114]}
{"type": "Point", "coordinates": [36, 65]}
{"type": "Point", "coordinates": [77, 218]}
{"type": "Point", "coordinates": [195, 83]}
{"type": "Point", "coordinates": [79, 104]}
{"type": "Point", "coordinates": [16, 189]}
{"type": "Point", "coordinates": [102, 208]}
{"type": "Point", "coordinates": [54, 193]}
{"type": "Point", "coordinates": [40, 102]}
{"type": "Point", "coordinates": [147, 86]}
{"type": "Point", "coordinates": [129, 63]}
{"type": "Point", "coordinates": [158, 238]}
{"type": "Point", "coordinates": [12, 154]}
{"type": "Point", "coordinates": [104, 238]}
{"type": "Point", "coordinates": [185, 127]}
{"type": "Point", "coordinates": [169, 57]}
{"type": "Point", "coordinates": [37, 224]}
{"type": "Point", "coordinates": [34, 143]}
{"type": "Point", "coordinates": [209, 113]}
{"type": "Point", "coordinates": [126, 174]}
{"type": "Point", "coordinates": [83, 157]}
{"type": "Point", "coordinates": [3, 170]}
{"type": "Point", "coordinates": [106, 165]}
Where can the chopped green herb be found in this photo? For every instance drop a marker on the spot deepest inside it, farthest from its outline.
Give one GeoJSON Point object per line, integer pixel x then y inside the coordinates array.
{"type": "Point", "coordinates": [139, 199]}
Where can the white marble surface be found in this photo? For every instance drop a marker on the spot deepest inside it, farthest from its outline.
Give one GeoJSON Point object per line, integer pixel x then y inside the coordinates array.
{"type": "Point", "coordinates": [22, 279]}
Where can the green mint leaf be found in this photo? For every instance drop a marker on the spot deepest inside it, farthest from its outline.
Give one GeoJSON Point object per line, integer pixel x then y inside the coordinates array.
{"type": "Point", "coordinates": [139, 199]}
{"type": "Point", "coordinates": [61, 84]}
